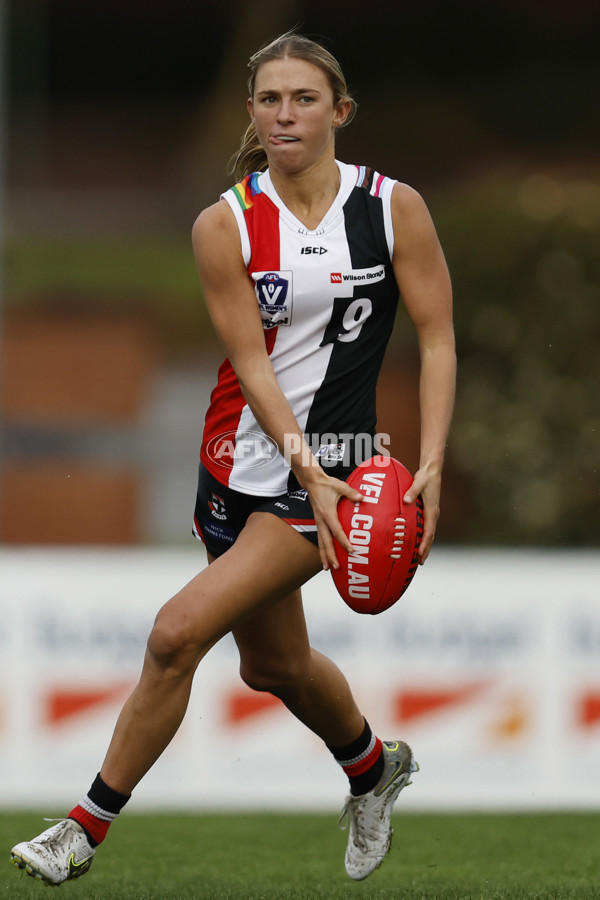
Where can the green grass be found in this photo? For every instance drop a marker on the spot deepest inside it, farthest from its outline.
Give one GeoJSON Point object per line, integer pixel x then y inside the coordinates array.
{"type": "Point", "coordinates": [263, 857]}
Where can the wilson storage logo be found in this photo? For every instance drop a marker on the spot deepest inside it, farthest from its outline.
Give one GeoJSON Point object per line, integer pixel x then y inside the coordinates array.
{"type": "Point", "coordinates": [359, 276]}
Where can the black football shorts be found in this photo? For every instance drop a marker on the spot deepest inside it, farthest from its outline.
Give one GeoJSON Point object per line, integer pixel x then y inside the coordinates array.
{"type": "Point", "coordinates": [221, 513]}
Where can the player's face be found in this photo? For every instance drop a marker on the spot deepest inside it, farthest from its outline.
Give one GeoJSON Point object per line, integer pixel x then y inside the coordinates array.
{"type": "Point", "coordinates": [294, 113]}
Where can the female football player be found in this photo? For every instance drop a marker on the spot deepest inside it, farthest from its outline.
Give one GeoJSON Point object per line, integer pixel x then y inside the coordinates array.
{"type": "Point", "coordinates": [302, 264]}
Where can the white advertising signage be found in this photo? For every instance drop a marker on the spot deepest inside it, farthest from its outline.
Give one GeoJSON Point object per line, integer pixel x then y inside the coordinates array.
{"type": "Point", "coordinates": [489, 666]}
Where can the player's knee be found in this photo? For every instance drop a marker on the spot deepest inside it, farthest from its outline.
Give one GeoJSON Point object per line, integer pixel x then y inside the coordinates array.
{"type": "Point", "coordinates": [272, 676]}
{"type": "Point", "coordinates": [170, 645]}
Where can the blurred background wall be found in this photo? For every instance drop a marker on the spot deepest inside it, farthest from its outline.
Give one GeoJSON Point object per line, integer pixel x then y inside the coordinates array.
{"type": "Point", "coordinates": [118, 120]}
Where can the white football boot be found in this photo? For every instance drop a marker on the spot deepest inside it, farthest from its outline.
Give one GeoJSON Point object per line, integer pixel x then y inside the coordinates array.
{"type": "Point", "coordinates": [369, 815]}
{"type": "Point", "coordinates": [60, 853]}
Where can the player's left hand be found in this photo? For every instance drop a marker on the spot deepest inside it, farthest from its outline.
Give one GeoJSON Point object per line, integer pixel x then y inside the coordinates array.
{"type": "Point", "coordinates": [428, 484]}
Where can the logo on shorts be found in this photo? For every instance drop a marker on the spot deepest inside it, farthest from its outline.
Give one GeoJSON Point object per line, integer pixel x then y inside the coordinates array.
{"type": "Point", "coordinates": [274, 293]}
{"type": "Point", "coordinates": [299, 495]}
{"type": "Point", "coordinates": [217, 532]}
{"type": "Point", "coordinates": [331, 452]}
{"type": "Point", "coordinates": [217, 506]}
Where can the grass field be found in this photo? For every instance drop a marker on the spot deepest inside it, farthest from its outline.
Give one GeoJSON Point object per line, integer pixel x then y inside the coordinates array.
{"type": "Point", "coordinates": [300, 856]}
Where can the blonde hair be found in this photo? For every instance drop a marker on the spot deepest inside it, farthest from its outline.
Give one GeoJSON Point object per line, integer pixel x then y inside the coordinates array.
{"type": "Point", "coordinates": [251, 157]}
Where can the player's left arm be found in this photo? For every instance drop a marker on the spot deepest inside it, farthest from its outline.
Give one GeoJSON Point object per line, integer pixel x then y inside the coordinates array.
{"type": "Point", "coordinates": [424, 283]}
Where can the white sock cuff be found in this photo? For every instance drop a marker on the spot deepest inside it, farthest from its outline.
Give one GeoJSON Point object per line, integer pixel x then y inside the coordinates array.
{"type": "Point", "coordinates": [97, 811]}
{"type": "Point", "coordinates": [361, 756]}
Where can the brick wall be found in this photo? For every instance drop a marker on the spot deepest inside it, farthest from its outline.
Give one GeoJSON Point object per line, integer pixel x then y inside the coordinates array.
{"type": "Point", "coordinates": [66, 381]}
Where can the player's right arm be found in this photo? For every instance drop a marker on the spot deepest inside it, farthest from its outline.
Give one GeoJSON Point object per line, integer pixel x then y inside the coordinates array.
{"type": "Point", "coordinates": [232, 306]}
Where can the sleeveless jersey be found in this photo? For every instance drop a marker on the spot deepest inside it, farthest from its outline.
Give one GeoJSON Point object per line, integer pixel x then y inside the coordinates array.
{"type": "Point", "coordinates": [327, 299]}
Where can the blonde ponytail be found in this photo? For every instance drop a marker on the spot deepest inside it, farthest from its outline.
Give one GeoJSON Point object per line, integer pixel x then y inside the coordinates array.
{"type": "Point", "coordinates": [250, 157]}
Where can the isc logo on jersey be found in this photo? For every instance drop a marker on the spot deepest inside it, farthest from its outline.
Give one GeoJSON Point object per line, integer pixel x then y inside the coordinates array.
{"type": "Point", "coordinates": [275, 297]}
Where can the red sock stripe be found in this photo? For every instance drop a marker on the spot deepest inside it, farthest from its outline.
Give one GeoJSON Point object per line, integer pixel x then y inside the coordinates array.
{"type": "Point", "coordinates": [360, 767]}
{"type": "Point", "coordinates": [96, 827]}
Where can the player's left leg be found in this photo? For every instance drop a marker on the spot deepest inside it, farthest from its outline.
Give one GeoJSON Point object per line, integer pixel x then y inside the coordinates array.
{"type": "Point", "coordinates": [276, 656]}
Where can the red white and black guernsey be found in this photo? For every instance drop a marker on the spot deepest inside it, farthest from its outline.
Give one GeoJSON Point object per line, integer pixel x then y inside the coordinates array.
{"type": "Point", "coordinates": [327, 300]}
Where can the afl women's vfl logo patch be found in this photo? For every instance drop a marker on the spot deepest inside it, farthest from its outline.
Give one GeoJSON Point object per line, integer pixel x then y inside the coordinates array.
{"type": "Point", "coordinates": [274, 293]}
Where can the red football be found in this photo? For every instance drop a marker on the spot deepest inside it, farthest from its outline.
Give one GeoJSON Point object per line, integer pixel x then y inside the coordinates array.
{"type": "Point", "coordinates": [386, 533]}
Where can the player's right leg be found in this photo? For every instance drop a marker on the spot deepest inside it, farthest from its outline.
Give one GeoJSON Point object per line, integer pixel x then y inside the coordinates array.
{"type": "Point", "coordinates": [220, 597]}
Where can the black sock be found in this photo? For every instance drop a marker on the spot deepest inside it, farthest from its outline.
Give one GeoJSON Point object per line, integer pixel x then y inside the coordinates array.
{"type": "Point", "coordinates": [98, 809]}
{"type": "Point", "coordinates": [362, 761]}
